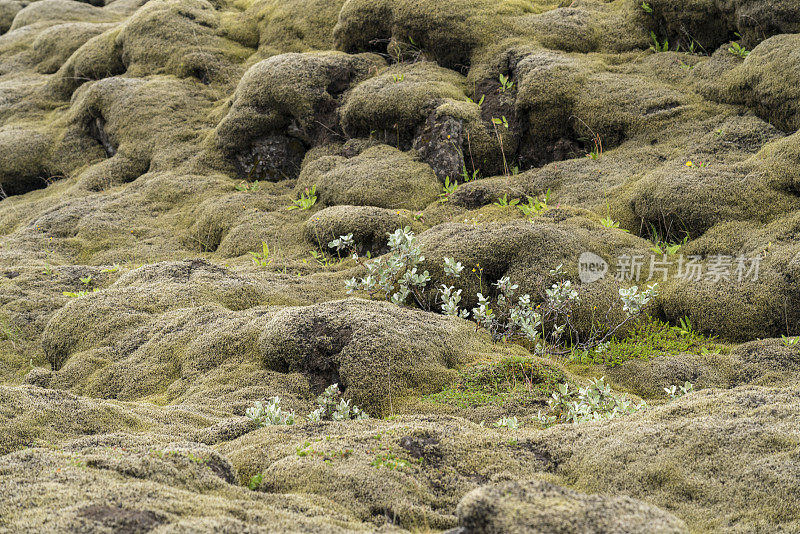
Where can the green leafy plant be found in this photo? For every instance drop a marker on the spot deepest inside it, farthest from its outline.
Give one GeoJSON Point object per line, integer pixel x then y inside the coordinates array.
{"type": "Point", "coordinates": [331, 406]}
{"type": "Point", "coordinates": [469, 177]}
{"type": "Point", "coordinates": [449, 189]}
{"type": "Point", "coordinates": [646, 8]}
{"type": "Point", "coordinates": [248, 187]}
{"type": "Point", "coordinates": [662, 246]}
{"type": "Point", "coordinates": [657, 46]}
{"type": "Point", "coordinates": [504, 202]}
{"type": "Point", "coordinates": [510, 423]}
{"type": "Point", "coordinates": [270, 413]}
{"type": "Point", "coordinates": [684, 327]}
{"type": "Point", "coordinates": [398, 77]}
{"type": "Point", "coordinates": [594, 402]}
{"type": "Point", "coordinates": [502, 121]}
{"type": "Point", "coordinates": [505, 83]}
{"type": "Point", "coordinates": [255, 481]}
{"type": "Point", "coordinates": [608, 222]}
{"type": "Point", "coordinates": [306, 201]}
{"type": "Point", "coordinates": [790, 341]}
{"type": "Point", "coordinates": [675, 391]}
{"type": "Point", "coordinates": [479, 102]}
{"type": "Point", "coordinates": [738, 50]}
{"type": "Point", "coordinates": [535, 206]}
{"type": "Point", "coordinates": [261, 259]}
{"type": "Point", "coordinates": [113, 269]}
{"type": "Point", "coordinates": [86, 280]}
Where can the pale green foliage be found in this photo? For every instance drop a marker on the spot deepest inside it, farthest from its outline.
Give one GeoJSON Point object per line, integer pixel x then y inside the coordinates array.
{"type": "Point", "coordinates": [262, 258]}
{"type": "Point", "coordinates": [510, 423]}
{"type": "Point", "coordinates": [397, 278]}
{"type": "Point", "coordinates": [790, 341]}
{"type": "Point", "coordinates": [633, 301]}
{"type": "Point", "coordinates": [658, 46]}
{"type": "Point", "coordinates": [505, 83]}
{"type": "Point", "coordinates": [449, 188]}
{"type": "Point", "coordinates": [594, 402]}
{"type": "Point", "coordinates": [646, 8]}
{"type": "Point", "coordinates": [331, 406]}
{"type": "Point", "coordinates": [608, 222]}
{"type": "Point", "coordinates": [535, 206]}
{"type": "Point", "coordinates": [342, 243]}
{"type": "Point", "coordinates": [396, 275]}
{"type": "Point", "coordinates": [675, 391]}
{"type": "Point", "coordinates": [270, 413]}
{"type": "Point", "coordinates": [307, 199]}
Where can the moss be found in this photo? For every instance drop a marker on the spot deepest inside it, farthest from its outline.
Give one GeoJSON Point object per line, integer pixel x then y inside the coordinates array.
{"type": "Point", "coordinates": [392, 104]}
{"type": "Point", "coordinates": [300, 89]}
{"type": "Point", "coordinates": [538, 506]}
{"type": "Point", "coordinates": [183, 38]}
{"type": "Point", "coordinates": [381, 176]}
{"type": "Point", "coordinates": [61, 11]}
{"type": "Point", "coordinates": [368, 225]}
{"type": "Point", "coordinates": [650, 338]}
{"type": "Point", "coordinates": [510, 383]}
{"type": "Point", "coordinates": [296, 25]}
{"type": "Point", "coordinates": [756, 85]}
{"type": "Point", "coordinates": [357, 344]}
{"type": "Point", "coordinates": [56, 44]}
{"type": "Point", "coordinates": [698, 448]}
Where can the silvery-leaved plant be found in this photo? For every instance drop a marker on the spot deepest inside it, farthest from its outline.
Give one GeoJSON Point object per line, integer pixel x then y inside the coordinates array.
{"type": "Point", "coordinates": [342, 243]}
{"type": "Point", "coordinates": [331, 406]}
{"type": "Point", "coordinates": [510, 423]}
{"type": "Point", "coordinates": [545, 322]}
{"type": "Point", "coordinates": [270, 414]}
{"type": "Point", "coordinates": [679, 391]}
{"type": "Point", "coordinates": [594, 402]}
{"type": "Point", "coordinates": [633, 301]}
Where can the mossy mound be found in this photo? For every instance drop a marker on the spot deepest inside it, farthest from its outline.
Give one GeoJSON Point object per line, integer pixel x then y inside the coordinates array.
{"type": "Point", "coordinates": [411, 470]}
{"type": "Point", "coordinates": [297, 90]}
{"type": "Point", "coordinates": [537, 506]}
{"type": "Point", "coordinates": [392, 104]}
{"type": "Point", "coordinates": [664, 456]}
{"type": "Point", "coordinates": [378, 353]}
{"type": "Point", "coordinates": [370, 226]}
{"type": "Point", "coordinates": [381, 176]}
{"type": "Point", "coordinates": [123, 484]}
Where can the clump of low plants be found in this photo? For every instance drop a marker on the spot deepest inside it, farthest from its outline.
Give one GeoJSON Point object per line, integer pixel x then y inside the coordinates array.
{"type": "Point", "coordinates": [510, 423]}
{"type": "Point", "coordinates": [332, 407]}
{"type": "Point", "coordinates": [645, 340]}
{"type": "Point", "coordinates": [261, 259]}
{"type": "Point", "coordinates": [306, 201]}
{"type": "Point", "coordinates": [679, 391]}
{"type": "Point", "coordinates": [270, 413]}
{"type": "Point", "coordinates": [397, 278]}
{"type": "Point", "coordinates": [594, 402]}
{"type": "Point", "coordinates": [248, 187]}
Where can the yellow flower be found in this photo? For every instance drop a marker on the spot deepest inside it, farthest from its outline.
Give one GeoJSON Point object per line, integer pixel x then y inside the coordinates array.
{"type": "Point", "coordinates": [689, 164]}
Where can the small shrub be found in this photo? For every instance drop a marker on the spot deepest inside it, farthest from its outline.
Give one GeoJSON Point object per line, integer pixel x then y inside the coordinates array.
{"type": "Point", "coordinates": [510, 423]}
{"type": "Point", "coordinates": [674, 391]}
{"type": "Point", "coordinates": [261, 259]}
{"type": "Point", "coordinates": [331, 406]}
{"type": "Point", "coordinates": [594, 402]}
{"type": "Point", "coordinates": [270, 414]}
{"type": "Point", "coordinates": [306, 201]}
